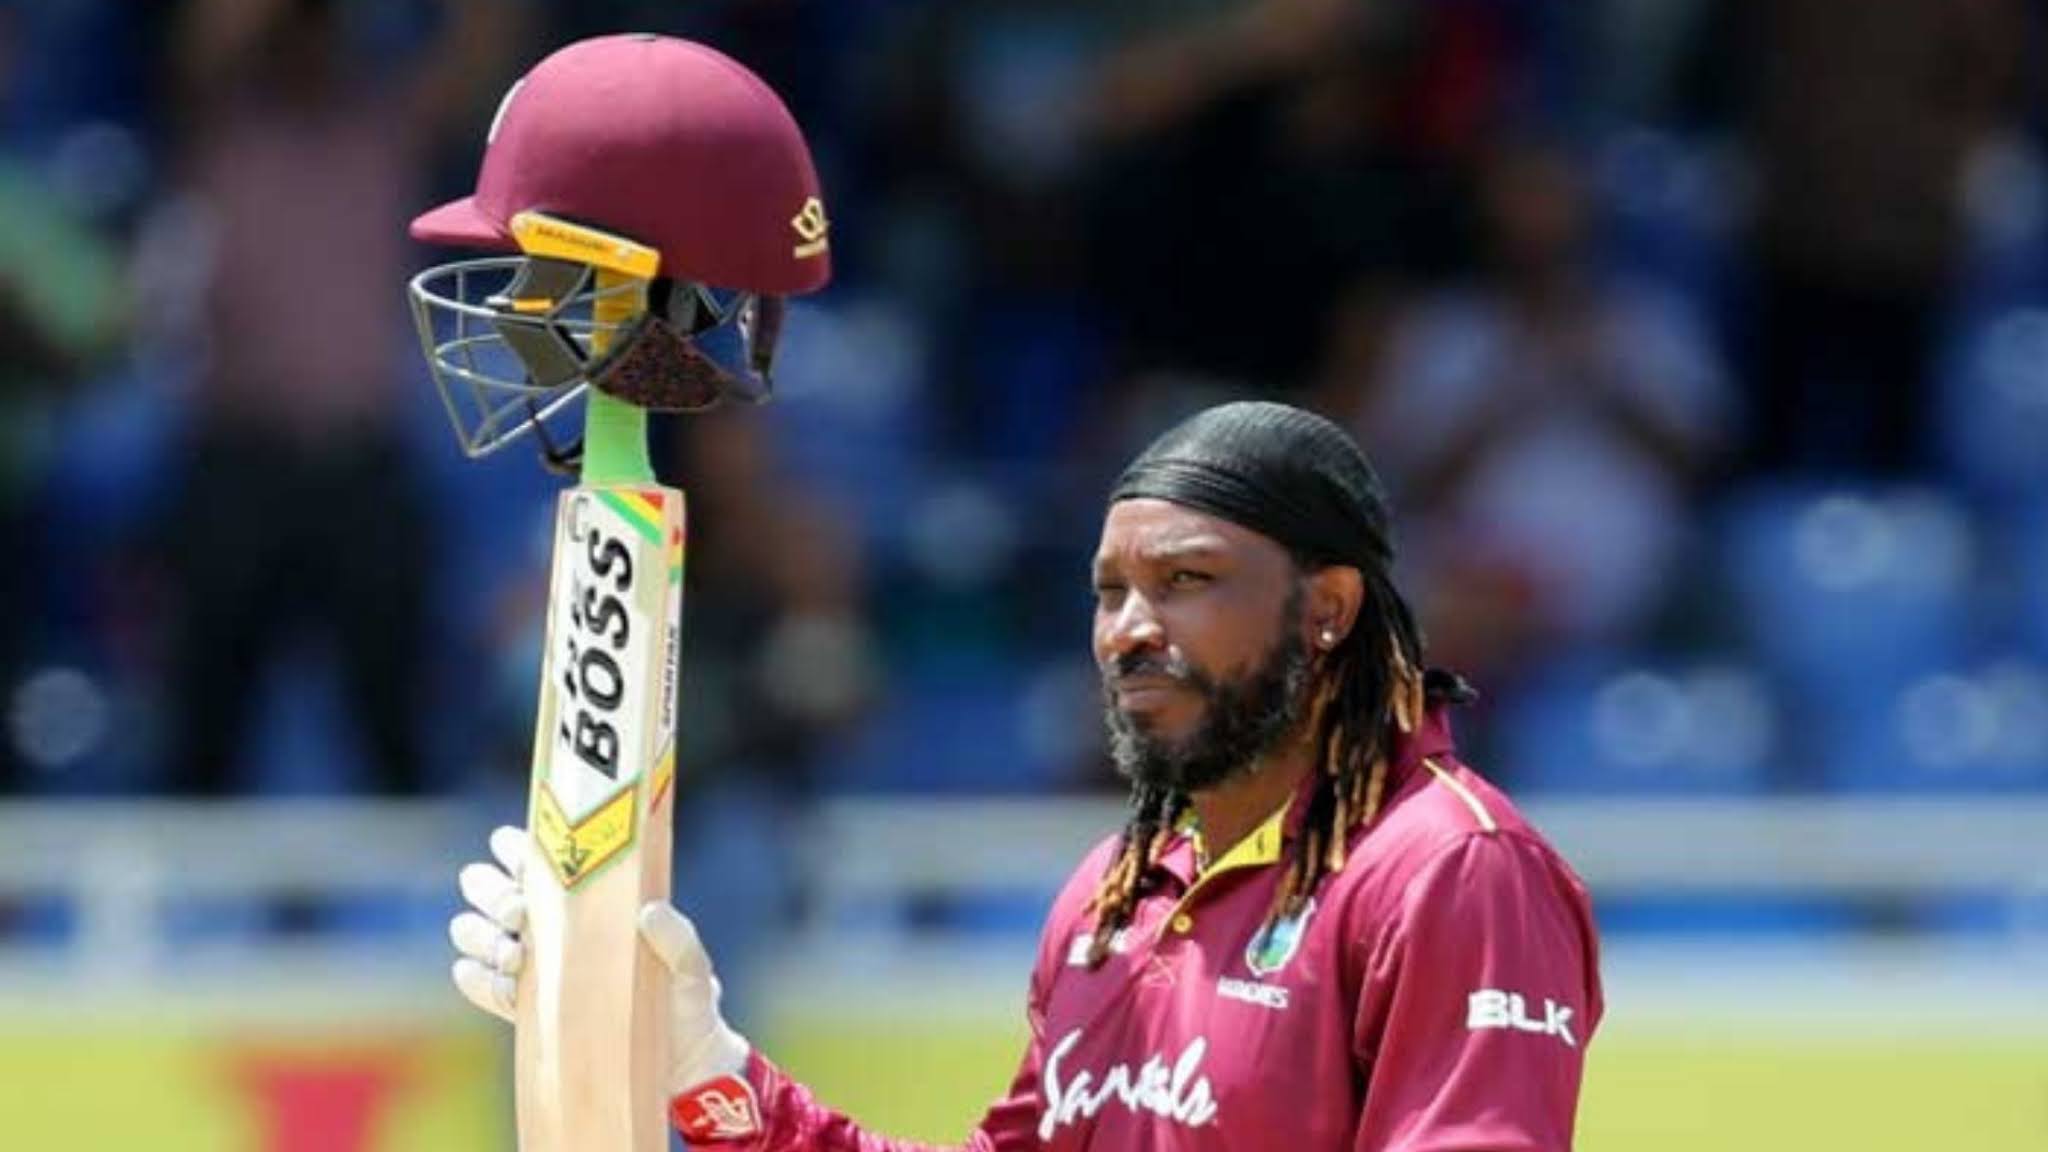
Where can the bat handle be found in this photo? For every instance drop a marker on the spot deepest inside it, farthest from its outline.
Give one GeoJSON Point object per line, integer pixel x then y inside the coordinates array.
{"type": "Point", "coordinates": [614, 432]}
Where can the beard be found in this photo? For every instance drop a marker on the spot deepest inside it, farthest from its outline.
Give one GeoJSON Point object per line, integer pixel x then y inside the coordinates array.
{"type": "Point", "coordinates": [1243, 718]}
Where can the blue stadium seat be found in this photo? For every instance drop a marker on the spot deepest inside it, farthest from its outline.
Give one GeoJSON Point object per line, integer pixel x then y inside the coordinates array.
{"type": "Point", "coordinates": [853, 427]}
{"type": "Point", "coordinates": [1004, 913]}
{"type": "Point", "coordinates": [734, 874]}
{"type": "Point", "coordinates": [2006, 260]}
{"type": "Point", "coordinates": [79, 728]}
{"type": "Point", "coordinates": [1035, 363]}
{"type": "Point", "coordinates": [41, 922]}
{"type": "Point", "coordinates": [2029, 540]}
{"type": "Point", "coordinates": [1730, 916]}
{"type": "Point", "coordinates": [1967, 728]}
{"type": "Point", "coordinates": [381, 918]}
{"type": "Point", "coordinates": [1604, 724]}
{"type": "Point", "coordinates": [968, 731]}
{"type": "Point", "coordinates": [1662, 204]}
{"type": "Point", "coordinates": [1848, 593]}
{"type": "Point", "coordinates": [1992, 401]}
{"type": "Point", "coordinates": [193, 926]}
{"type": "Point", "coordinates": [110, 449]}
{"type": "Point", "coordinates": [301, 741]}
{"type": "Point", "coordinates": [1982, 915]}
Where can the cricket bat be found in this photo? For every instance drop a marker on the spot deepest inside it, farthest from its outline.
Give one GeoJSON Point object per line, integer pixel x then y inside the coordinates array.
{"type": "Point", "coordinates": [591, 1048]}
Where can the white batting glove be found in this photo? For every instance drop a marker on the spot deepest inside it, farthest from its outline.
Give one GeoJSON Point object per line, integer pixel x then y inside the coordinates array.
{"type": "Point", "coordinates": [701, 1045]}
{"type": "Point", "coordinates": [487, 935]}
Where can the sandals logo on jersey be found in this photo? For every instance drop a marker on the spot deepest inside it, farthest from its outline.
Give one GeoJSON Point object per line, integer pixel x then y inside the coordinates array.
{"type": "Point", "coordinates": [1275, 944]}
{"type": "Point", "coordinates": [1172, 1090]}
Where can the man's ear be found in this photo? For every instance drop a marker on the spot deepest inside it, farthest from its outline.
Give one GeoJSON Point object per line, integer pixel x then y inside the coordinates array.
{"type": "Point", "coordinates": [1335, 596]}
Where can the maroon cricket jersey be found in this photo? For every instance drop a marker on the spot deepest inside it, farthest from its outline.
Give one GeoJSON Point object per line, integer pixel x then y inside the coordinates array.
{"type": "Point", "coordinates": [1438, 994]}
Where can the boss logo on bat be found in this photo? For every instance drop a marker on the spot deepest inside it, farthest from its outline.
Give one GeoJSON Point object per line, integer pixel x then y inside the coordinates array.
{"type": "Point", "coordinates": [600, 627]}
{"type": "Point", "coordinates": [600, 658]}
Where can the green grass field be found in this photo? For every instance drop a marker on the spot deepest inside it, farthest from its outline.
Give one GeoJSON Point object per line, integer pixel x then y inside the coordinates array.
{"type": "Point", "coordinates": [1677, 1092]}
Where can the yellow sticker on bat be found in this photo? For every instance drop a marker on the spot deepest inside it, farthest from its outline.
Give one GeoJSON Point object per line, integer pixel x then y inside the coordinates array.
{"type": "Point", "coordinates": [577, 851]}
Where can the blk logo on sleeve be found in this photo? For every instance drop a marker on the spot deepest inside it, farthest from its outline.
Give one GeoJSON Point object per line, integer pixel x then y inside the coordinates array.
{"type": "Point", "coordinates": [1493, 1008]}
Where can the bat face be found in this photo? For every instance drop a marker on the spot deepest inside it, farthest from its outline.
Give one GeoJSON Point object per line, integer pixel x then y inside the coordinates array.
{"type": "Point", "coordinates": [608, 706]}
{"type": "Point", "coordinates": [591, 1048]}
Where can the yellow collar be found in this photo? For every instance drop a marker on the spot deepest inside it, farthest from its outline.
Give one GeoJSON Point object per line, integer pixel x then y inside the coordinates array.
{"type": "Point", "coordinates": [1257, 850]}
{"type": "Point", "coordinates": [1260, 848]}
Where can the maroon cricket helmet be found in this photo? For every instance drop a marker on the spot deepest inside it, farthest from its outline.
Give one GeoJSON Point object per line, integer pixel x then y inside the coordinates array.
{"type": "Point", "coordinates": [656, 204]}
{"type": "Point", "coordinates": [662, 140]}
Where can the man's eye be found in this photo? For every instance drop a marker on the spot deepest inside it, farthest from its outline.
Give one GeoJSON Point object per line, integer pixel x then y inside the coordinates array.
{"type": "Point", "coordinates": [1108, 591]}
{"type": "Point", "coordinates": [1188, 578]}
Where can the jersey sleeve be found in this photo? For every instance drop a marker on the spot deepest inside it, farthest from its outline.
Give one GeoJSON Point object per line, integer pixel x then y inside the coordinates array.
{"type": "Point", "coordinates": [795, 1121]}
{"type": "Point", "coordinates": [1480, 996]}
{"type": "Point", "coordinates": [792, 1119]}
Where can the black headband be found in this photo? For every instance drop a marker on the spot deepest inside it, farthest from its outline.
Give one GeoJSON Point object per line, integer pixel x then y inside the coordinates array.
{"type": "Point", "coordinates": [1287, 474]}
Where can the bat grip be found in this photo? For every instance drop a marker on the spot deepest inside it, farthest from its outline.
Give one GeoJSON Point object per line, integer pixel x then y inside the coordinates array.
{"type": "Point", "coordinates": [614, 432]}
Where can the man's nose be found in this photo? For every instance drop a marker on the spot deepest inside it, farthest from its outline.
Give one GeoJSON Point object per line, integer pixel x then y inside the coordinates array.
{"type": "Point", "coordinates": [1134, 627]}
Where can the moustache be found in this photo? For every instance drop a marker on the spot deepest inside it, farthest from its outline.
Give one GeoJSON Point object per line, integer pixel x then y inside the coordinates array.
{"type": "Point", "coordinates": [1168, 666]}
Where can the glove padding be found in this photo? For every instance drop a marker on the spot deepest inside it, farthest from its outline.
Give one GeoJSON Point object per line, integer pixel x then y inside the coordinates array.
{"type": "Point", "coordinates": [492, 953]}
{"type": "Point", "coordinates": [701, 1045]}
{"type": "Point", "coordinates": [487, 934]}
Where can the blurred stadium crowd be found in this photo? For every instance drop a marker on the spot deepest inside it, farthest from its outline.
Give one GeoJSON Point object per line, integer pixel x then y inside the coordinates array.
{"type": "Point", "coordinates": [1703, 343]}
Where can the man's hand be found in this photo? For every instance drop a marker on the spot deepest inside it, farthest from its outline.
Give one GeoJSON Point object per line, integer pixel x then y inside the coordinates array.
{"type": "Point", "coordinates": [487, 936]}
{"type": "Point", "coordinates": [701, 1045]}
{"type": "Point", "coordinates": [487, 933]}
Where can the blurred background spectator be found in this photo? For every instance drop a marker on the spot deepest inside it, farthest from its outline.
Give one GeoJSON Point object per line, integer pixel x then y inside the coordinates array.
{"type": "Point", "coordinates": [1575, 273]}
{"type": "Point", "coordinates": [1517, 246]}
{"type": "Point", "coordinates": [1704, 344]}
{"type": "Point", "coordinates": [1545, 426]}
{"type": "Point", "coordinates": [297, 522]}
{"type": "Point", "coordinates": [61, 312]}
{"type": "Point", "coordinates": [1860, 126]}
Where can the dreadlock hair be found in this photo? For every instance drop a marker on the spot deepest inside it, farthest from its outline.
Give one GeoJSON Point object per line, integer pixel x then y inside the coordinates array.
{"type": "Point", "coordinates": [1155, 809]}
{"type": "Point", "coordinates": [1371, 681]}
